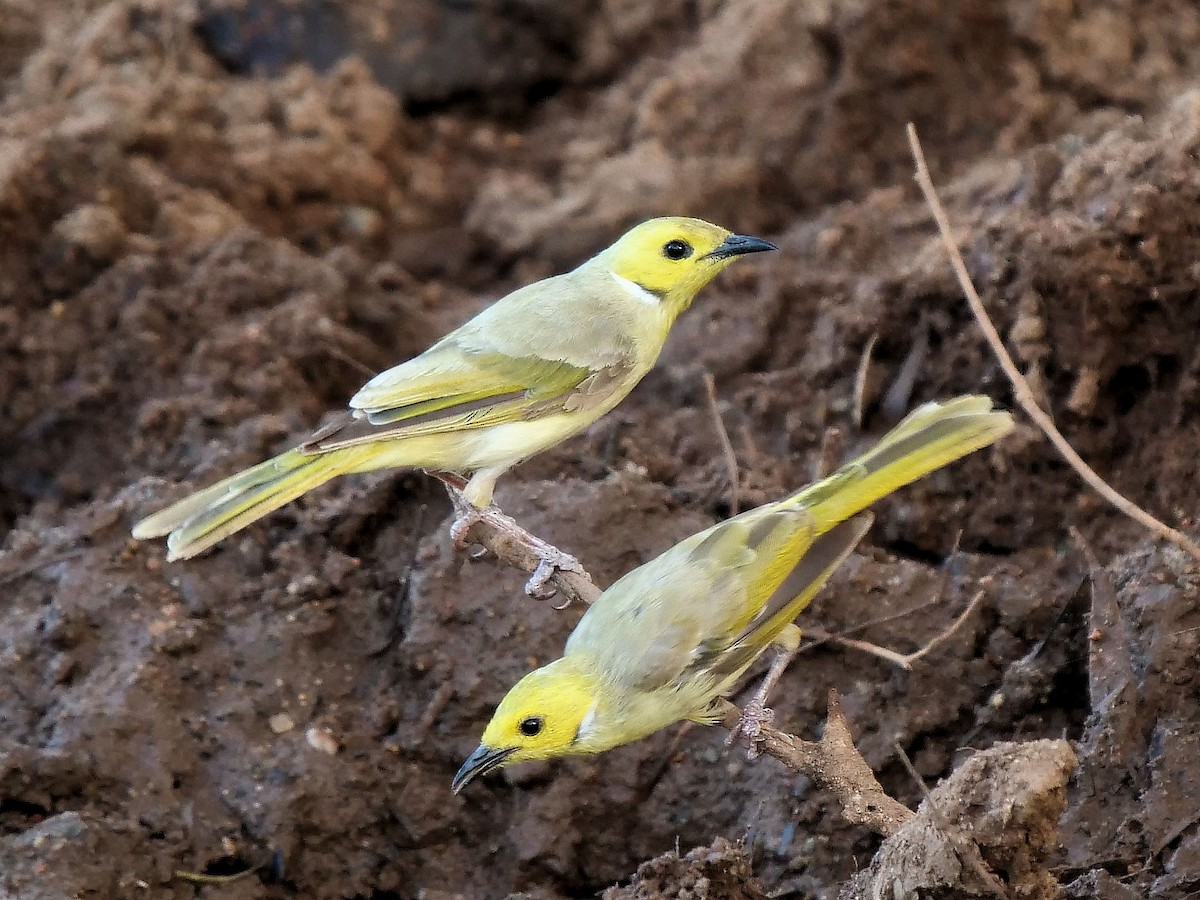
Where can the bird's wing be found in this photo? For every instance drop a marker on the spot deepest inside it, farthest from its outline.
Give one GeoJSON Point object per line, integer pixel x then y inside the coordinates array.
{"type": "Point", "coordinates": [448, 388]}
{"type": "Point", "coordinates": [786, 599]}
{"type": "Point", "coordinates": [674, 617]}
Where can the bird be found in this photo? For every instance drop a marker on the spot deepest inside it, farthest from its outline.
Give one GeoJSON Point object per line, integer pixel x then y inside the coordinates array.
{"type": "Point", "coordinates": [536, 367]}
{"type": "Point", "coordinates": [673, 636]}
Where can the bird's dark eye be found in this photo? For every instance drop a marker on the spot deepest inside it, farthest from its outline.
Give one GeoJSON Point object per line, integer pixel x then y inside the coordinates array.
{"type": "Point", "coordinates": [677, 249]}
{"type": "Point", "coordinates": [531, 727]}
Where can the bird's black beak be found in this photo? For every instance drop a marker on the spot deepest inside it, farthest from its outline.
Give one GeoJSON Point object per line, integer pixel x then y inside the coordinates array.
{"type": "Point", "coordinates": [739, 245]}
{"type": "Point", "coordinates": [482, 761]}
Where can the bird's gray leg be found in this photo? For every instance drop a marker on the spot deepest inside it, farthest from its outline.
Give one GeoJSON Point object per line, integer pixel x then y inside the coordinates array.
{"type": "Point", "coordinates": [465, 519]}
{"type": "Point", "coordinates": [466, 514]}
{"type": "Point", "coordinates": [756, 713]}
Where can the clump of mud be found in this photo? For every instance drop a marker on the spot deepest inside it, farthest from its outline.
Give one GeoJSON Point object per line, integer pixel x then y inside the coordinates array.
{"type": "Point", "coordinates": [719, 872]}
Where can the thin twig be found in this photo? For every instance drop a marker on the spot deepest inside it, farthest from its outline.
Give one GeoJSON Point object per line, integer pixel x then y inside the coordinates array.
{"type": "Point", "coordinates": [935, 811]}
{"type": "Point", "coordinates": [831, 452]}
{"type": "Point", "coordinates": [835, 764]}
{"type": "Point", "coordinates": [342, 356]}
{"type": "Point", "coordinates": [842, 638]}
{"type": "Point", "coordinates": [902, 660]}
{"type": "Point", "coordinates": [441, 698]}
{"type": "Point", "coordinates": [871, 623]}
{"type": "Point", "coordinates": [38, 564]}
{"type": "Point", "coordinates": [825, 637]}
{"type": "Point", "coordinates": [939, 639]}
{"type": "Point", "coordinates": [860, 380]}
{"type": "Point", "coordinates": [1021, 389]}
{"type": "Point", "coordinates": [710, 388]}
{"type": "Point", "coordinates": [898, 397]}
{"type": "Point", "coordinates": [204, 878]}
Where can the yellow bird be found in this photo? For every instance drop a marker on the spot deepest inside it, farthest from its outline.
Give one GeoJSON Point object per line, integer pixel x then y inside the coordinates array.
{"type": "Point", "coordinates": [671, 637]}
{"type": "Point", "coordinates": [536, 367]}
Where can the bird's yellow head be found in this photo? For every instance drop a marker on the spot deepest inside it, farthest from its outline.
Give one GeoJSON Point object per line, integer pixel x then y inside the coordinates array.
{"type": "Point", "coordinates": [667, 261]}
{"type": "Point", "coordinates": [543, 716]}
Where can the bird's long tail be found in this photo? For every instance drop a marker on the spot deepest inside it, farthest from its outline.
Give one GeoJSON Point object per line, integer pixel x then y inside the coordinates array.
{"type": "Point", "coordinates": [927, 439]}
{"type": "Point", "coordinates": [198, 521]}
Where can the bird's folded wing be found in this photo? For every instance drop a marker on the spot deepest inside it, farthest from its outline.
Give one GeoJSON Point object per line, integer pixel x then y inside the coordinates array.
{"type": "Point", "coordinates": [450, 390]}
{"type": "Point", "coordinates": [670, 618]}
{"type": "Point", "coordinates": [787, 598]}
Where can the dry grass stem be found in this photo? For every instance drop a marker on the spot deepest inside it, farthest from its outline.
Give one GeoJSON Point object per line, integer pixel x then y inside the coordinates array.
{"type": "Point", "coordinates": [831, 453]}
{"type": "Point", "coordinates": [1021, 390]}
{"type": "Point", "coordinates": [902, 660]}
{"type": "Point", "coordinates": [710, 389]}
{"type": "Point", "coordinates": [860, 380]}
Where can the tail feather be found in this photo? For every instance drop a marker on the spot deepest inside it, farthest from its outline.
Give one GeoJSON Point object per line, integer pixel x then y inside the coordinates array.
{"type": "Point", "coordinates": [930, 437]}
{"type": "Point", "coordinates": [167, 520]}
{"type": "Point", "coordinates": [198, 521]}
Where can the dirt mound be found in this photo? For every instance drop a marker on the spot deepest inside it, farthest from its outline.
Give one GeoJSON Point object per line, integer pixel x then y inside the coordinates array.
{"type": "Point", "coordinates": [197, 264]}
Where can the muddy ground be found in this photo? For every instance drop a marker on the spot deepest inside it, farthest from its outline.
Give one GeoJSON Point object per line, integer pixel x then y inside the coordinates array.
{"type": "Point", "coordinates": [206, 244]}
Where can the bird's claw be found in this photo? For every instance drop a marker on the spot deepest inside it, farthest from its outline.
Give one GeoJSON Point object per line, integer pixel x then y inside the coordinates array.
{"type": "Point", "coordinates": [460, 529]}
{"type": "Point", "coordinates": [552, 560]}
{"type": "Point", "coordinates": [754, 717]}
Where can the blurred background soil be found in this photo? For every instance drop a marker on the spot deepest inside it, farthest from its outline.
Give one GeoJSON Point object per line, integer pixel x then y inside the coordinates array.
{"type": "Point", "coordinates": [216, 220]}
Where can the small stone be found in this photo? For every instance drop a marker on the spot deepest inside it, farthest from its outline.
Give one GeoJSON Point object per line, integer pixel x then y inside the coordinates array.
{"type": "Point", "coordinates": [95, 228]}
{"type": "Point", "coordinates": [1082, 399]}
{"type": "Point", "coordinates": [362, 221]}
{"type": "Point", "coordinates": [281, 723]}
{"type": "Point", "coordinates": [320, 738]}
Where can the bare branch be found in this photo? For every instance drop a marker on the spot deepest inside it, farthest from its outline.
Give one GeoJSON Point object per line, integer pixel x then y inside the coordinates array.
{"type": "Point", "coordinates": [834, 764]}
{"type": "Point", "coordinates": [1021, 389]}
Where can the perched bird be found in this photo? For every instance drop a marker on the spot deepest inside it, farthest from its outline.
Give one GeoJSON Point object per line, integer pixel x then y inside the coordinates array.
{"type": "Point", "coordinates": [674, 635]}
{"type": "Point", "coordinates": [536, 367]}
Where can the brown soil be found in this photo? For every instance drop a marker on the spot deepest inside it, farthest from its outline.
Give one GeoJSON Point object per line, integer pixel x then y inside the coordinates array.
{"type": "Point", "coordinates": [202, 252]}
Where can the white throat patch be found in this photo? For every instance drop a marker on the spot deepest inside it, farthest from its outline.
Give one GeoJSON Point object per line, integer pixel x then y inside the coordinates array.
{"type": "Point", "coordinates": [636, 291]}
{"type": "Point", "coordinates": [589, 719]}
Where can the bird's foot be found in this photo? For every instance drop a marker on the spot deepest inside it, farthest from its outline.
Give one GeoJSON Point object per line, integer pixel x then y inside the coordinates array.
{"type": "Point", "coordinates": [754, 717]}
{"type": "Point", "coordinates": [467, 518]}
{"type": "Point", "coordinates": [550, 560]}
